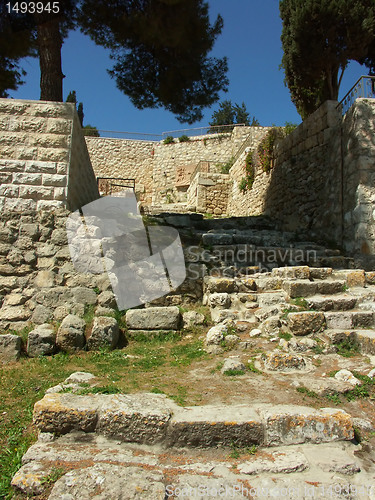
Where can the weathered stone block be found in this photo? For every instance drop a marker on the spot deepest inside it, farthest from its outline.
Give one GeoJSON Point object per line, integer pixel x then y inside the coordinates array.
{"type": "Point", "coordinates": [54, 180]}
{"type": "Point", "coordinates": [296, 272]}
{"type": "Point", "coordinates": [288, 425]}
{"type": "Point", "coordinates": [305, 322]}
{"type": "Point", "coordinates": [41, 341]}
{"type": "Point", "coordinates": [71, 334]}
{"type": "Point", "coordinates": [283, 362]}
{"type": "Point", "coordinates": [62, 413]}
{"type": "Point", "coordinates": [12, 166]}
{"type": "Point", "coordinates": [105, 333]}
{"type": "Point", "coordinates": [10, 348]}
{"type": "Point", "coordinates": [212, 426]}
{"type": "Point", "coordinates": [153, 318]}
{"type": "Point", "coordinates": [40, 167]}
{"type": "Point", "coordinates": [27, 178]}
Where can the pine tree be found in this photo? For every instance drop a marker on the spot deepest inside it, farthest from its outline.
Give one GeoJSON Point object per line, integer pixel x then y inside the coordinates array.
{"type": "Point", "coordinates": [160, 49]}
{"type": "Point", "coordinates": [319, 38]}
{"type": "Point", "coordinates": [228, 114]}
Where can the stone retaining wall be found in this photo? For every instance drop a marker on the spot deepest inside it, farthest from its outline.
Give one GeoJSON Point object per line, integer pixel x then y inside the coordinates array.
{"type": "Point", "coordinates": [43, 160]}
{"type": "Point", "coordinates": [208, 193]}
{"type": "Point", "coordinates": [358, 150]}
{"type": "Point", "coordinates": [124, 158]}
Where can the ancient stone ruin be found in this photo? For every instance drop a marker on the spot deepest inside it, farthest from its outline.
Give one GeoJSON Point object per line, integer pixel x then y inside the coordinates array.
{"type": "Point", "coordinates": [285, 269]}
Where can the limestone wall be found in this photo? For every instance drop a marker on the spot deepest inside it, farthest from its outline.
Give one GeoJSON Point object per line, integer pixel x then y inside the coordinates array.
{"type": "Point", "coordinates": [304, 188]}
{"type": "Point", "coordinates": [358, 149]}
{"type": "Point", "coordinates": [208, 193]}
{"type": "Point", "coordinates": [251, 202]}
{"type": "Point", "coordinates": [43, 157]}
{"type": "Point", "coordinates": [214, 148]}
{"type": "Point", "coordinates": [124, 158]}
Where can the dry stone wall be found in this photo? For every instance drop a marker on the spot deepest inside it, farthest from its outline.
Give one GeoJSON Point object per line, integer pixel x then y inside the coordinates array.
{"type": "Point", "coordinates": [214, 148]}
{"type": "Point", "coordinates": [358, 150]}
{"type": "Point", "coordinates": [124, 158]}
{"type": "Point", "coordinates": [251, 202]}
{"type": "Point", "coordinates": [208, 193]}
{"type": "Point", "coordinates": [43, 157]}
{"type": "Point", "coordinates": [303, 189]}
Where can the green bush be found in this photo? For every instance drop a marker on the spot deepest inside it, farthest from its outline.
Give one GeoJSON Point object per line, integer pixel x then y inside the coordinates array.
{"type": "Point", "coordinates": [184, 138]}
{"type": "Point", "coordinates": [227, 166]}
{"type": "Point", "coordinates": [168, 140]}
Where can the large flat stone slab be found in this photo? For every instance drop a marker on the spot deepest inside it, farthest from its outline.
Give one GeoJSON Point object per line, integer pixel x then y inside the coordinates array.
{"type": "Point", "coordinates": [211, 426]}
{"type": "Point", "coordinates": [153, 318]}
{"type": "Point", "coordinates": [286, 425]}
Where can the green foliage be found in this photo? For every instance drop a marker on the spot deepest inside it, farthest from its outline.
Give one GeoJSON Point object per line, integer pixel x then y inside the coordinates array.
{"type": "Point", "coordinates": [234, 373]}
{"type": "Point", "coordinates": [243, 184]}
{"type": "Point", "coordinates": [289, 127]}
{"type": "Point", "coordinates": [252, 368]}
{"type": "Point", "coordinates": [53, 476]}
{"type": "Point", "coordinates": [334, 398]}
{"type": "Point", "coordinates": [265, 148]}
{"type": "Point", "coordinates": [228, 114]}
{"type": "Point", "coordinates": [160, 50]}
{"type": "Point", "coordinates": [248, 181]}
{"type": "Point", "coordinates": [348, 347]}
{"type": "Point", "coordinates": [307, 392]}
{"type": "Point", "coordinates": [238, 452]}
{"type": "Point", "coordinates": [285, 335]}
{"type": "Point", "coordinates": [90, 131]}
{"type": "Point", "coordinates": [184, 138]}
{"type": "Point", "coordinates": [168, 140]}
{"type": "Point", "coordinates": [227, 166]}
{"type": "Point", "coordinates": [319, 39]}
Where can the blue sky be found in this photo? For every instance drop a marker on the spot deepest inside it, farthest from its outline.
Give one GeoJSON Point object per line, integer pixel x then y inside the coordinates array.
{"type": "Point", "coordinates": [251, 41]}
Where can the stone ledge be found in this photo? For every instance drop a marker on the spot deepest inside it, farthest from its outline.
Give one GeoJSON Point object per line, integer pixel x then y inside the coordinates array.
{"type": "Point", "coordinates": [150, 418]}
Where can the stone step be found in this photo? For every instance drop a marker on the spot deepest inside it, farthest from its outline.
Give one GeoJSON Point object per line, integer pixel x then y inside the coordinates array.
{"type": "Point", "coordinates": [338, 302]}
{"type": "Point", "coordinates": [152, 418]}
{"type": "Point", "coordinates": [304, 288]}
{"type": "Point", "coordinates": [364, 339]}
{"type": "Point", "coordinates": [148, 473]}
{"type": "Point", "coordinates": [336, 320]}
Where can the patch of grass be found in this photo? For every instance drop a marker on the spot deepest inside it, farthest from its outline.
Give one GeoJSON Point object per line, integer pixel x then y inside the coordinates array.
{"type": "Point", "coordinates": [318, 349]}
{"type": "Point", "coordinates": [238, 452]}
{"type": "Point", "coordinates": [53, 476]}
{"type": "Point", "coordinates": [334, 398]}
{"type": "Point", "coordinates": [157, 338]}
{"type": "Point", "coordinates": [184, 354]}
{"type": "Point", "coordinates": [348, 347]}
{"type": "Point", "coordinates": [252, 368]}
{"type": "Point", "coordinates": [362, 391]}
{"type": "Point", "coordinates": [307, 392]}
{"type": "Point", "coordinates": [106, 389]}
{"type": "Point", "coordinates": [285, 335]}
{"type": "Point", "coordinates": [300, 302]}
{"type": "Point", "coordinates": [180, 397]}
{"type": "Point", "coordinates": [234, 373]}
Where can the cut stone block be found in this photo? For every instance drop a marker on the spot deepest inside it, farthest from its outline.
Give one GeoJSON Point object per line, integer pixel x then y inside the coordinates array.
{"type": "Point", "coordinates": [296, 272]}
{"type": "Point", "coordinates": [305, 322]}
{"type": "Point", "coordinates": [105, 333]}
{"type": "Point", "coordinates": [336, 303]}
{"type": "Point", "coordinates": [153, 318]}
{"type": "Point", "coordinates": [211, 426]}
{"type": "Point", "coordinates": [278, 361]}
{"type": "Point", "coordinates": [140, 418]}
{"type": "Point", "coordinates": [287, 425]}
{"type": "Point", "coordinates": [41, 341]}
{"type": "Point", "coordinates": [10, 348]}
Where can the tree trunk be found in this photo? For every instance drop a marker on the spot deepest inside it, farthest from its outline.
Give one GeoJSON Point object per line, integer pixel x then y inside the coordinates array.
{"type": "Point", "coordinates": [49, 48]}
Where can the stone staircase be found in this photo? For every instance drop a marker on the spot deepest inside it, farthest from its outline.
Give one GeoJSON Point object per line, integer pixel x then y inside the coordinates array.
{"type": "Point", "coordinates": [334, 305]}
{"type": "Point", "coordinates": [154, 449]}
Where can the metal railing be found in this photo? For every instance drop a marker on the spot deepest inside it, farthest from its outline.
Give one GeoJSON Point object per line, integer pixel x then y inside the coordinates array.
{"type": "Point", "coordinates": [110, 185]}
{"type": "Point", "coordinates": [217, 129]}
{"type": "Point", "coordinates": [133, 136]}
{"type": "Point", "coordinates": [364, 87]}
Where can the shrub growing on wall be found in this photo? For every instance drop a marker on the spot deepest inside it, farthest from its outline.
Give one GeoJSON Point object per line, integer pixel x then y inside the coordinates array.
{"type": "Point", "coordinates": [248, 181]}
